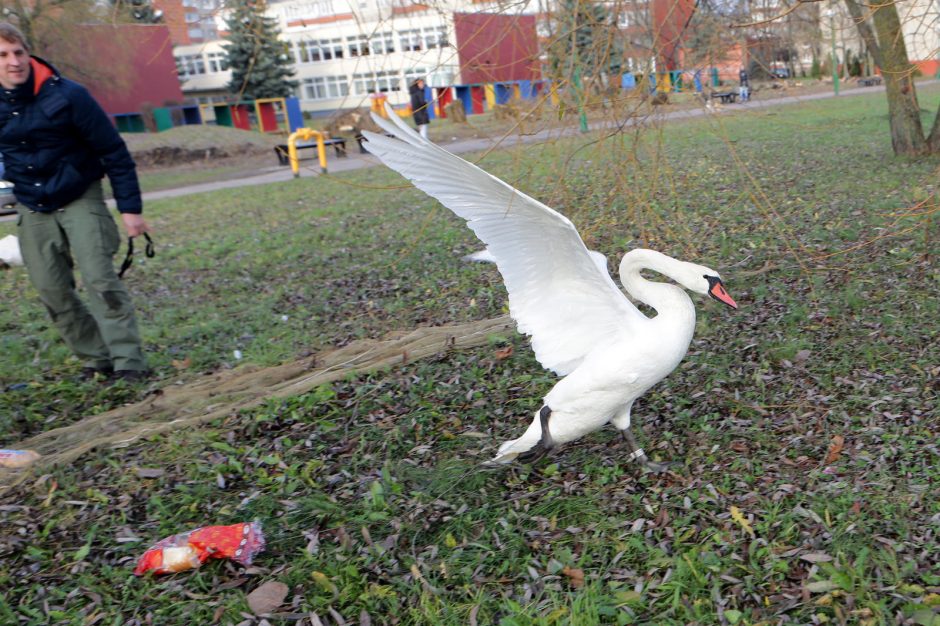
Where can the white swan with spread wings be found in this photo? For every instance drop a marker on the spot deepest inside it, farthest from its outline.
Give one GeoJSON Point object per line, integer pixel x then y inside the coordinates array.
{"type": "Point", "coordinates": [582, 326]}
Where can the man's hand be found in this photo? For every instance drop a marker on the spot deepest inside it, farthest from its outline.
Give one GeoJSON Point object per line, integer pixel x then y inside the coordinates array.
{"type": "Point", "coordinates": [134, 224]}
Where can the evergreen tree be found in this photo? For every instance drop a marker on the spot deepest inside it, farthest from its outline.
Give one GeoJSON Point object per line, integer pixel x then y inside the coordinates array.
{"type": "Point", "coordinates": [259, 60]}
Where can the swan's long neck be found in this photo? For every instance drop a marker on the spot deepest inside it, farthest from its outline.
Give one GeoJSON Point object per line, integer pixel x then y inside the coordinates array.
{"type": "Point", "coordinates": [671, 302]}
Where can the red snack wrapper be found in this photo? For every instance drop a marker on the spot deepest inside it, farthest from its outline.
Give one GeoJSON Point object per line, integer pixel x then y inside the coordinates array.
{"type": "Point", "coordinates": [177, 553]}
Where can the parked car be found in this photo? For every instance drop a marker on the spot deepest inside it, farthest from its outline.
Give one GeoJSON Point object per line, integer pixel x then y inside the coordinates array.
{"type": "Point", "coordinates": [7, 199]}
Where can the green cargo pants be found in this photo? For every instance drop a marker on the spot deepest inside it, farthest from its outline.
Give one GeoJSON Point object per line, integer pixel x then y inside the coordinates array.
{"type": "Point", "coordinates": [103, 334]}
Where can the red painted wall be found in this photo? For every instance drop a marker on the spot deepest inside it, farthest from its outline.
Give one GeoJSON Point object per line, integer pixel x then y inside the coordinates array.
{"type": "Point", "coordinates": [669, 20]}
{"type": "Point", "coordinates": [493, 47]}
{"type": "Point", "coordinates": [124, 66]}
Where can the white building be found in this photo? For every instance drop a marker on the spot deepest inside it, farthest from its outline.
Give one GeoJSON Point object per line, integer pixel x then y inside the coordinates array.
{"type": "Point", "coordinates": [344, 51]}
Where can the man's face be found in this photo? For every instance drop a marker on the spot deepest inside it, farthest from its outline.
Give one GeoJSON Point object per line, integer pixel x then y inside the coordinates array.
{"type": "Point", "coordinates": [14, 64]}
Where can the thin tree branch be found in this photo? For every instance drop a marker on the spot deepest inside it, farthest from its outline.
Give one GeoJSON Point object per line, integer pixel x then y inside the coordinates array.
{"type": "Point", "coordinates": [865, 31]}
{"type": "Point", "coordinates": [779, 16]}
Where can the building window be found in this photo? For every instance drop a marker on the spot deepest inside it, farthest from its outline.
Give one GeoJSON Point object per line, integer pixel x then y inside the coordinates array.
{"type": "Point", "coordinates": [434, 37]}
{"type": "Point", "coordinates": [410, 40]}
{"type": "Point", "coordinates": [190, 65]}
{"type": "Point", "coordinates": [374, 82]}
{"type": "Point", "coordinates": [314, 9]}
{"type": "Point", "coordinates": [325, 87]}
{"type": "Point", "coordinates": [209, 30]}
{"type": "Point", "coordinates": [218, 61]}
{"type": "Point", "coordinates": [414, 74]}
{"type": "Point", "coordinates": [423, 38]}
{"type": "Point", "coordinates": [316, 50]}
{"type": "Point", "coordinates": [382, 43]}
{"type": "Point", "coordinates": [358, 45]}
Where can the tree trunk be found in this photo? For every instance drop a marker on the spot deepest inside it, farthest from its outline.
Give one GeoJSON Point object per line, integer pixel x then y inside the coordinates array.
{"type": "Point", "coordinates": [907, 131]}
{"type": "Point", "coordinates": [933, 142]}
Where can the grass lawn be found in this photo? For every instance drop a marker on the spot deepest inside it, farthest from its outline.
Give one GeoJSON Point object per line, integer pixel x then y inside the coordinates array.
{"type": "Point", "coordinates": [805, 424]}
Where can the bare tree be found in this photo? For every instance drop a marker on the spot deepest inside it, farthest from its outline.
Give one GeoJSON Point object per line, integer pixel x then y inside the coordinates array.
{"type": "Point", "coordinates": [879, 26]}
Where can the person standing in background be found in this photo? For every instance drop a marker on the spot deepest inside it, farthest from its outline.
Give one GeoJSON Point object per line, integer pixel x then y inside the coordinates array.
{"type": "Point", "coordinates": [744, 91]}
{"type": "Point", "coordinates": [419, 107]}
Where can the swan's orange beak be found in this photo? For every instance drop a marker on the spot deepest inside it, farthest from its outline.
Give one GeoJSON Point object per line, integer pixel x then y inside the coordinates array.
{"type": "Point", "coordinates": [718, 292]}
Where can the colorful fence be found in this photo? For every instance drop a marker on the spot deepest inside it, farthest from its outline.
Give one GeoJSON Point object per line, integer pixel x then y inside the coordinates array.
{"type": "Point", "coordinates": [284, 115]}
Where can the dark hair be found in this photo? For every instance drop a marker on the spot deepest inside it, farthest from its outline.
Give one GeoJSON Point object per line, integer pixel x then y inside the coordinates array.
{"type": "Point", "coordinates": [12, 34]}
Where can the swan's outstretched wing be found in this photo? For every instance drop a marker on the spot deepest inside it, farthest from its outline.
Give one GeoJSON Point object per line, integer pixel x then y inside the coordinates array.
{"type": "Point", "coordinates": [557, 293]}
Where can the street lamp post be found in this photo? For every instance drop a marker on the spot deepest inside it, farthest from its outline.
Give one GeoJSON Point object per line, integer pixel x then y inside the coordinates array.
{"type": "Point", "coordinates": [835, 63]}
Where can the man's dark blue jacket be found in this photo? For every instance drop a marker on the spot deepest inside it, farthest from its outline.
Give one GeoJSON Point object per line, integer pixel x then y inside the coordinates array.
{"type": "Point", "coordinates": [56, 141]}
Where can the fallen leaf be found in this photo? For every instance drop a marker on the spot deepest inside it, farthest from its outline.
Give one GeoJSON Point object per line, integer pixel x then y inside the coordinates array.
{"type": "Point", "coordinates": [825, 600]}
{"type": "Point", "coordinates": [503, 353]}
{"type": "Point", "coordinates": [821, 586]}
{"type": "Point", "coordinates": [575, 576]}
{"type": "Point", "coordinates": [816, 557]}
{"type": "Point", "coordinates": [149, 472]}
{"type": "Point", "coordinates": [738, 517]}
{"type": "Point", "coordinates": [183, 364]}
{"type": "Point", "coordinates": [835, 449]}
{"type": "Point", "coordinates": [323, 581]}
{"type": "Point", "coordinates": [267, 597]}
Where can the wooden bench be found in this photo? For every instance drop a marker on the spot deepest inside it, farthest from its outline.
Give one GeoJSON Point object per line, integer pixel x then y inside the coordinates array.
{"type": "Point", "coordinates": [338, 143]}
{"type": "Point", "coordinates": [869, 81]}
{"type": "Point", "coordinates": [725, 96]}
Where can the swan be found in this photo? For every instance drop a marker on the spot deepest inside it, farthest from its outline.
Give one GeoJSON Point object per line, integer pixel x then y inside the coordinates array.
{"type": "Point", "coordinates": [581, 325]}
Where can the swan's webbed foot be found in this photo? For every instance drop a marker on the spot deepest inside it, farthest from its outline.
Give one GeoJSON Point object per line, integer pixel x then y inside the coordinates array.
{"type": "Point", "coordinates": [545, 444]}
{"type": "Point", "coordinates": [637, 453]}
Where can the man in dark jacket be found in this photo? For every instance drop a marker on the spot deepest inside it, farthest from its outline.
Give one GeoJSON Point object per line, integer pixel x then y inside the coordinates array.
{"type": "Point", "coordinates": [419, 107]}
{"type": "Point", "coordinates": [745, 85]}
{"type": "Point", "coordinates": [57, 145]}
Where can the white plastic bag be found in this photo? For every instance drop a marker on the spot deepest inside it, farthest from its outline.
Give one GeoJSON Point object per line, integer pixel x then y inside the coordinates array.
{"type": "Point", "coordinates": [10, 250]}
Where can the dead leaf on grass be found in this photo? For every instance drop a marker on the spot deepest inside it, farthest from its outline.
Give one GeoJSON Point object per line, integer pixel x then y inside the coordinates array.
{"type": "Point", "coordinates": [267, 597]}
{"type": "Point", "coordinates": [149, 472]}
{"type": "Point", "coordinates": [835, 449]}
{"type": "Point", "coordinates": [575, 576]}
{"type": "Point", "coordinates": [323, 582]}
{"type": "Point", "coordinates": [182, 364]}
{"type": "Point", "coordinates": [503, 353]}
{"type": "Point", "coordinates": [738, 517]}
{"type": "Point", "coordinates": [821, 586]}
{"type": "Point", "coordinates": [816, 557]}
